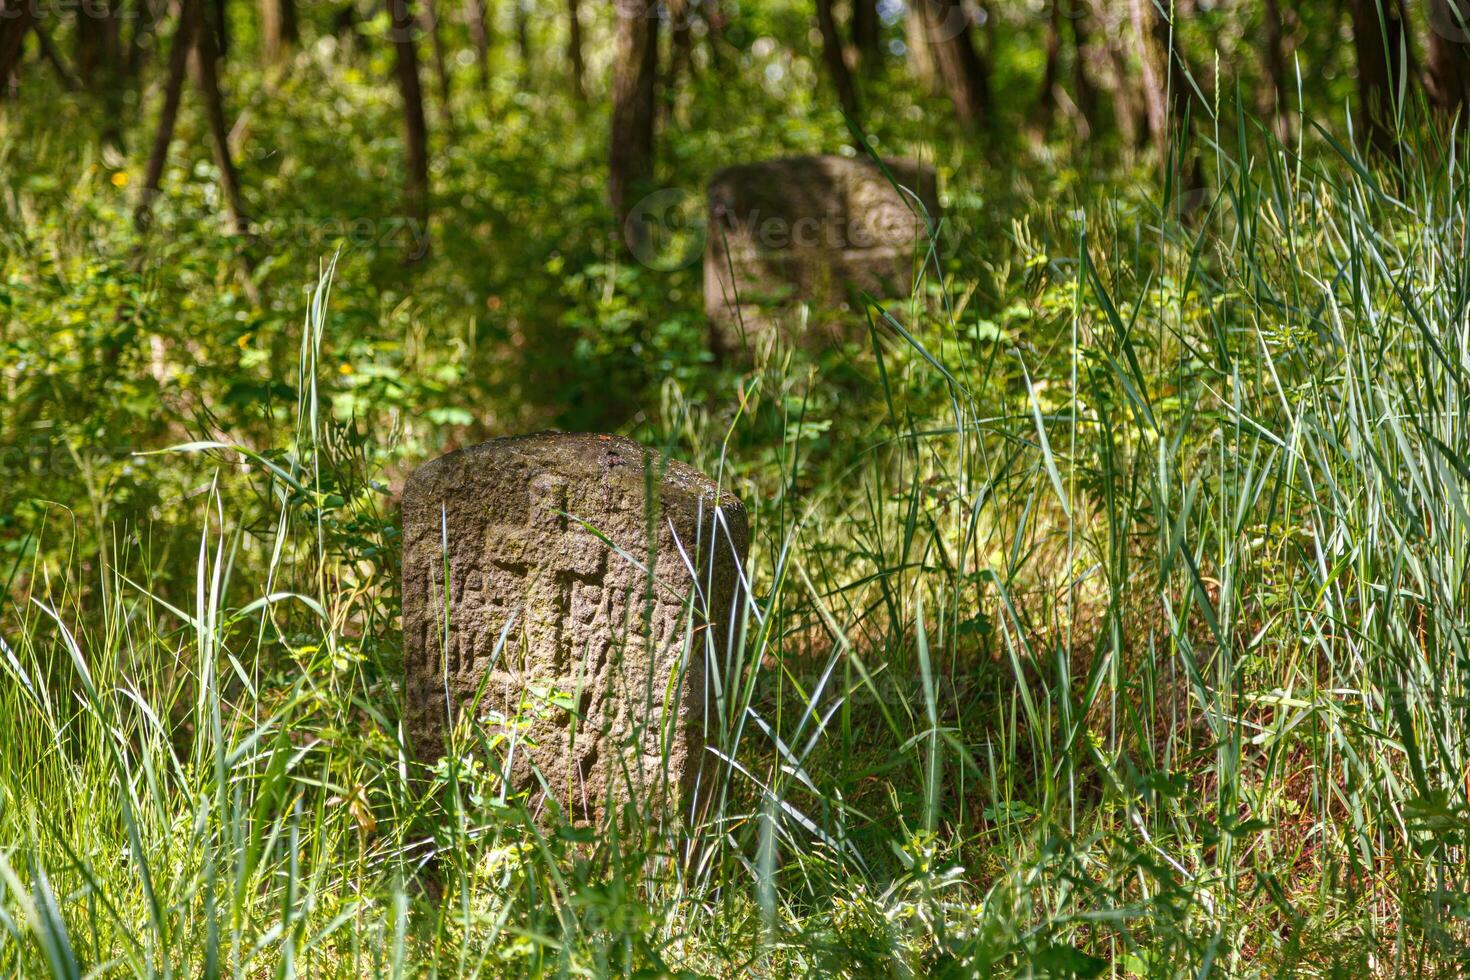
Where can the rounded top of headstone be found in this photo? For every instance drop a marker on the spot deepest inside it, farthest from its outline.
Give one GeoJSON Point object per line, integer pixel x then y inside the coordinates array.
{"type": "Point", "coordinates": [793, 179]}
{"type": "Point", "coordinates": [828, 164]}
{"type": "Point", "coordinates": [855, 195]}
{"type": "Point", "coordinates": [582, 456]}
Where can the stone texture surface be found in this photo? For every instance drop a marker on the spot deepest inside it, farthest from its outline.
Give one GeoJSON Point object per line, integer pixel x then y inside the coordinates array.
{"type": "Point", "coordinates": [810, 229]}
{"type": "Point", "coordinates": [550, 623]}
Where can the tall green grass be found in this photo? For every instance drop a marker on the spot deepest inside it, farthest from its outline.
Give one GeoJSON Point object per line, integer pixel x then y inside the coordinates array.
{"type": "Point", "coordinates": [1104, 618]}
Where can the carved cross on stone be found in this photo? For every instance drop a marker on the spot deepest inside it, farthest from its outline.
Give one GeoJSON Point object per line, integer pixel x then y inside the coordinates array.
{"type": "Point", "coordinates": [602, 661]}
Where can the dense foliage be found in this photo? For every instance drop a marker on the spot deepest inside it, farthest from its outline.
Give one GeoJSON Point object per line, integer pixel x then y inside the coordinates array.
{"type": "Point", "coordinates": [1106, 592]}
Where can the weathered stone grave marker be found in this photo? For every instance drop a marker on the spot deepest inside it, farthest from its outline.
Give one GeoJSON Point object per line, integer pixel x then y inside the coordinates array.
{"type": "Point", "coordinates": [810, 229]}
{"type": "Point", "coordinates": [547, 543]}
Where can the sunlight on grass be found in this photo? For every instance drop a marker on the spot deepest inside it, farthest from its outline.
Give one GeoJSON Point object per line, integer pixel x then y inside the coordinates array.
{"type": "Point", "coordinates": [1115, 629]}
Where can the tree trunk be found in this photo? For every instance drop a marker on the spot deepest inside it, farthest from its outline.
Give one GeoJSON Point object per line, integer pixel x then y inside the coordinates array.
{"type": "Point", "coordinates": [99, 62]}
{"type": "Point", "coordinates": [206, 64]}
{"type": "Point", "coordinates": [1278, 74]}
{"type": "Point", "coordinates": [714, 18]}
{"type": "Point", "coordinates": [961, 69]}
{"type": "Point", "coordinates": [681, 52]}
{"type": "Point", "coordinates": [348, 29]}
{"type": "Point", "coordinates": [574, 50]}
{"type": "Point", "coordinates": [635, 69]}
{"type": "Point", "coordinates": [430, 17]}
{"type": "Point", "coordinates": [1046, 105]}
{"type": "Point", "coordinates": [15, 21]}
{"type": "Point", "coordinates": [278, 29]}
{"type": "Point", "coordinates": [921, 55]}
{"type": "Point", "coordinates": [523, 36]}
{"type": "Point", "coordinates": [1151, 33]}
{"type": "Point", "coordinates": [415, 129]}
{"type": "Point", "coordinates": [1449, 54]}
{"type": "Point", "coordinates": [479, 26]}
{"type": "Point", "coordinates": [173, 87]}
{"type": "Point", "coordinates": [1167, 94]}
{"type": "Point", "coordinates": [1165, 88]}
{"type": "Point", "coordinates": [1121, 86]}
{"type": "Point", "coordinates": [53, 56]}
{"type": "Point", "coordinates": [1085, 91]}
{"type": "Point", "coordinates": [836, 62]}
{"type": "Point", "coordinates": [865, 35]}
{"type": "Point", "coordinates": [220, 26]}
{"type": "Point", "coordinates": [1383, 59]}
{"type": "Point", "coordinates": [92, 61]}
{"type": "Point", "coordinates": [681, 40]}
{"type": "Point", "coordinates": [145, 23]}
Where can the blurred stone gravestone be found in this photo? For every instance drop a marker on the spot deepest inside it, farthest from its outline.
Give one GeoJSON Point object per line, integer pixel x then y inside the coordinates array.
{"type": "Point", "coordinates": [817, 230]}
{"type": "Point", "coordinates": [567, 590]}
